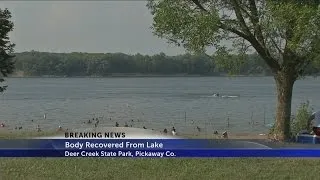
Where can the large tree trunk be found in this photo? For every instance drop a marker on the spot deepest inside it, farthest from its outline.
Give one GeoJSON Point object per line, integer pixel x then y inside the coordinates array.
{"type": "Point", "coordinates": [284, 84]}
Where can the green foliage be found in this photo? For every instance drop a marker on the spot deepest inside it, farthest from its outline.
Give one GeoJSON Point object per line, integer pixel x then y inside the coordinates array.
{"type": "Point", "coordinates": [6, 47]}
{"type": "Point", "coordinates": [301, 18]}
{"type": "Point", "coordinates": [177, 22]}
{"type": "Point", "coordinates": [233, 64]}
{"type": "Point", "coordinates": [301, 120]}
{"type": "Point", "coordinates": [297, 23]}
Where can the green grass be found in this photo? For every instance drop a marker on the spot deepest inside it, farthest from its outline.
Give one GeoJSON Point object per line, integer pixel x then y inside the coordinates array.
{"type": "Point", "coordinates": [24, 134]}
{"type": "Point", "coordinates": [108, 169]}
{"type": "Point", "coordinates": [149, 169]}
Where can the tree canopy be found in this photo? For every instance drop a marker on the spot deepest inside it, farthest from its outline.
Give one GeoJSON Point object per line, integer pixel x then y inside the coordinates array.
{"type": "Point", "coordinates": [274, 29]}
{"type": "Point", "coordinates": [284, 33]}
{"type": "Point", "coordinates": [6, 47]}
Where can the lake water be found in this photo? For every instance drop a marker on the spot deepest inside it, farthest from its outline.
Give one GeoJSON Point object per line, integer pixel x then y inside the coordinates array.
{"type": "Point", "coordinates": [157, 102]}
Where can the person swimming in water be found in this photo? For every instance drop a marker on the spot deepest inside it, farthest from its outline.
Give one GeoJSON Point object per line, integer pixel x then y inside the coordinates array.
{"type": "Point", "coordinates": [165, 131]}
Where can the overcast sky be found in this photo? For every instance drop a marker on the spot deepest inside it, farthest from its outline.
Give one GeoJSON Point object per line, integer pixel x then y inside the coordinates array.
{"type": "Point", "coordinates": [102, 26]}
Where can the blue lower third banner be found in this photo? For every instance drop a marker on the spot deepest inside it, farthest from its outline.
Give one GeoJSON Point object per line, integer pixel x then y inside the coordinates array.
{"type": "Point", "coordinates": [165, 153]}
{"type": "Point", "coordinates": [153, 148]}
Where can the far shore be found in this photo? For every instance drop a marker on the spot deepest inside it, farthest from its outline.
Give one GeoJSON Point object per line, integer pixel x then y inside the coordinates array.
{"type": "Point", "coordinates": [137, 75]}
{"type": "Point", "coordinates": [150, 76]}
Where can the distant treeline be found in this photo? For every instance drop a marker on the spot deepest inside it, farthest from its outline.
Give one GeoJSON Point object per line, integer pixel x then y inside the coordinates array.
{"type": "Point", "coordinates": [98, 64]}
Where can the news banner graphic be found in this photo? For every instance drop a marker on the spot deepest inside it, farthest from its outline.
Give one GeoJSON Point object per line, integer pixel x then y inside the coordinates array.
{"type": "Point", "coordinates": [144, 144]}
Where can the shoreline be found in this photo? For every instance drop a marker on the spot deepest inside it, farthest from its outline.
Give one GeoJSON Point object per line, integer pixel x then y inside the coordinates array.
{"type": "Point", "coordinates": [138, 75]}
{"type": "Point", "coordinates": [150, 76]}
{"type": "Point", "coordinates": [7, 133]}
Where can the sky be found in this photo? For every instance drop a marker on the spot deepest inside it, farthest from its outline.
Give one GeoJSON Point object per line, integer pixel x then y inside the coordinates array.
{"type": "Point", "coordinates": [99, 27]}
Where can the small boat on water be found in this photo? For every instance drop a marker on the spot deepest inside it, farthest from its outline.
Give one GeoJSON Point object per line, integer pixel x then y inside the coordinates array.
{"type": "Point", "coordinates": [216, 94]}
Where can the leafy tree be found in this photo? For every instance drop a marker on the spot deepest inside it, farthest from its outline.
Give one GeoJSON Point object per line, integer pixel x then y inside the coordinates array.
{"type": "Point", "coordinates": [6, 47]}
{"type": "Point", "coordinates": [284, 33]}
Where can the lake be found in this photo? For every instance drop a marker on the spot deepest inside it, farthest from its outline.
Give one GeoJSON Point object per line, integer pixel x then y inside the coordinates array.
{"type": "Point", "coordinates": [155, 102]}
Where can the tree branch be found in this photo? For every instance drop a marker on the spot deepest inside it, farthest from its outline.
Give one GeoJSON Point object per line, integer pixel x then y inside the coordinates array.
{"type": "Point", "coordinates": [233, 30]}
{"type": "Point", "coordinates": [240, 18]}
{"type": "Point", "coordinates": [196, 2]}
{"type": "Point", "coordinates": [265, 54]}
{"type": "Point", "coordinates": [255, 21]}
{"type": "Point", "coordinates": [275, 45]}
{"type": "Point", "coordinates": [273, 64]}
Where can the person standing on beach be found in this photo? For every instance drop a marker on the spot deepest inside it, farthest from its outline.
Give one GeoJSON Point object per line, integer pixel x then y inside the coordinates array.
{"type": "Point", "coordinates": [315, 117]}
{"type": "Point", "coordinates": [96, 123]}
{"type": "Point", "coordinates": [173, 131]}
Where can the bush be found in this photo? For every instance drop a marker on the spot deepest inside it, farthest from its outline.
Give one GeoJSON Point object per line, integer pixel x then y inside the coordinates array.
{"type": "Point", "coordinates": [299, 122]}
